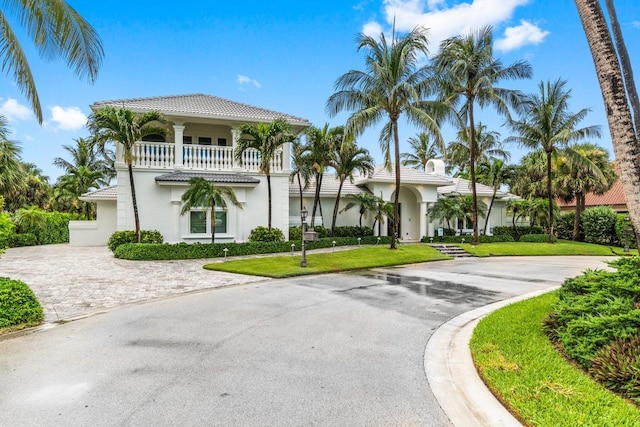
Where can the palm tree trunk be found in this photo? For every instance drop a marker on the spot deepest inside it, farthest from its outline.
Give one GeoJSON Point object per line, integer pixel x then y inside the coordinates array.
{"type": "Point", "coordinates": [269, 191]}
{"type": "Point", "coordinates": [136, 218]}
{"type": "Point", "coordinates": [623, 136]}
{"type": "Point", "coordinates": [580, 202]}
{"type": "Point", "coordinates": [396, 205]}
{"type": "Point", "coordinates": [316, 197]}
{"type": "Point", "coordinates": [550, 196]}
{"type": "Point", "coordinates": [319, 202]}
{"type": "Point", "coordinates": [213, 222]}
{"type": "Point", "coordinates": [472, 164]}
{"type": "Point", "coordinates": [486, 222]}
{"type": "Point", "coordinates": [335, 208]}
{"type": "Point", "coordinates": [300, 189]}
{"type": "Point", "coordinates": [625, 63]}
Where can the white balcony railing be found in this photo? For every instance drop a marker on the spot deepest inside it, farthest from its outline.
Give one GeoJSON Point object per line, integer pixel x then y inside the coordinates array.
{"type": "Point", "coordinates": [161, 155]}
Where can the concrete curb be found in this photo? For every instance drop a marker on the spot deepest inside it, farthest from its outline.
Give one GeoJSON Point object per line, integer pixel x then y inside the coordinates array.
{"type": "Point", "coordinates": [452, 375]}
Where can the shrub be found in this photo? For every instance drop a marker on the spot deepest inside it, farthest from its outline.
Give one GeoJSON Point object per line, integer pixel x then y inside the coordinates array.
{"type": "Point", "coordinates": [7, 230]}
{"type": "Point", "coordinates": [617, 365]}
{"type": "Point", "coordinates": [295, 233]}
{"type": "Point", "coordinates": [129, 236]}
{"type": "Point", "coordinates": [352, 231]}
{"type": "Point", "coordinates": [136, 251]}
{"type": "Point", "coordinates": [468, 239]}
{"type": "Point", "coordinates": [18, 304]}
{"type": "Point", "coordinates": [322, 232]}
{"type": "Point", "coordinates": [48, 227]}
{"type": "Point", "coordinates": [599, 225]}
{"type": "Point", "coordinates": [22, 239]}
{"type": "Point", "coordinates": [536, 238]}
{"type": "Point", "coordinates": [262, 234]}
{"type": "Point", "coordinates": [621, 231]}
{"type": "Point", "coordinates": [564, 226]}
{"type": "Point", "coordinates": [517, 231]}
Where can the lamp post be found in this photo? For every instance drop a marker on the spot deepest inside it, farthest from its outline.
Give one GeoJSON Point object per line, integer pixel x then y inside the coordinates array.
{"type": "Point", "coordinates": [626, 233]}
{"type": "Point", "coordinates": [303, 217]}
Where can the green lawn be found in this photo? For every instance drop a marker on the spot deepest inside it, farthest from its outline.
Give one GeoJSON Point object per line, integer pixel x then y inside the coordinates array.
{"type": "Point", "coordinates": [522, 368]}
{"type": "Point", "coordinates": [561, 247]}
{"type": "Point", "coordinates": [331, 262]}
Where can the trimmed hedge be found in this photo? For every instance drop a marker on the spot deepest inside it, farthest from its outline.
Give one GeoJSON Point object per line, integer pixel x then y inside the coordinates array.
{"type": "Point", "coordinates": [468, 239]}
{"type": "Point", "coordinates": [263, 234]}
{"type": "Point", "coordinates": [599, 225]}
{"type": "Point", "coordinates": [18, 304]}
{"type": "Point", "coordinates": [149, 251]}
{"type": "Point", "coordinates": [518, 231]}
{"type": "Point", "coordinates": [129, 236]}
{"type": "Point", "coordinates": [536, 238]}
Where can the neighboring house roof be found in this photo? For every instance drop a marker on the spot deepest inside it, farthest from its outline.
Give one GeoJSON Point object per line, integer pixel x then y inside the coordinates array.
{"type": "Point", "coordinates": [407, 176]}
{"type": "Point", "coordinates": [201, 105]}
{"type": "Point", "coordinates": [329, 187]}
{"type": "Point", "coordinates": [613, 197]}
{"type": "Point", "coordinates": [218, 178]}
{"type": "Point", "coordinates": [107, 193]}
{"type": "Point", "coordinates": [463, 187]}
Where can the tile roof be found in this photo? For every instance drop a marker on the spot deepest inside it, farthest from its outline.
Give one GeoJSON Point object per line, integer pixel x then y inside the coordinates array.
{"type": "Point", "coordinates": [107, 193]}
{"type": "Point", "coordinates": [615, 196]}
{"type": "Point", "coordinates": [329, 187]}
{"type": "Point", "coordinates": [218, 178]}
{"type": "Point", "coordinates": [463, 187]}
{"type": "Point", "coordinates": [407, 175]}
{"type": "Point", "coordinates": [201, 105]}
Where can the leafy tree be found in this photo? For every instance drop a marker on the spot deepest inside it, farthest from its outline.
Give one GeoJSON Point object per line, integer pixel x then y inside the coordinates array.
{"type": "Point", "coordinates": [423, 150]}
{"type": "Point", "coordinates": [347, 160]}
{"type": "Point", "coordinates": [393, 86]}
{"type": "Point", "coordinates": [469, 75]}
{"type": "Point", "coordinates": [11, 169]}
{"type": "Point", "coordinates": [35, 189]}
{"type": "Point", "coordinates": [494, 173]}
{"type": "Point", "coordinates": [85, 153]}
{"type": "Point", "coordinates": [203, 193]}
{"type": "Point", "coordinates": [56, 29]}
{"type": "Point", "coordinates": [488, 148]}
{"type": "Point", "coordinates": [265, 138]}
{"type": "Point", "coordinates": [366, 203]}
{"type": "Point", "coordinates": [446, 208]}
{"type": "Point", "coordinates": [125, 127]}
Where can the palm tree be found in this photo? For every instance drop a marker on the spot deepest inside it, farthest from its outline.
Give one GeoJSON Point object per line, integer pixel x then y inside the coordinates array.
{"type": "Point", "coordinates": [467, 208]}
{"type": "Point", "coordinates": [203, 193]}
{"type": "Point", "coordinates": [85, 154]}
{"type": "Point", "coordinates": [56, 29]}
{"type": "Point", "coordinates": [423, 151]}
{"type": "Point", "coordinates": [321, 143]}
{"type": "Point", "coordinates": [446, 208]}
{"type": "Point", "coordinates": [382, 210]}
{"type": "Point", "coordinates": [469, 74]}
{"type": "Point", "coordinates": [612, 84]}
{"type": "Point", "coordinates": [266, 139]}
{"type": "Point", "coordinates": [488, 148]}
{"type": "Point", "coordinates": [547, 124]}
{"type": "Point", "coordinates": [125, 127]}
{"type": "Point", "coordinates": [366, 203]}
{"type": "Point", "coordinates": [11, 170]}
{"type": "Point", "coordinates": [348, 160]}
{"type": "Point", "coordinates": [301, 168]}
{"type": "Point", "coordinates": [494, 173]}
{"type": "Point", "coordinates": [75, 183]}
{"type": "Point", "coordinates": [393, 85]}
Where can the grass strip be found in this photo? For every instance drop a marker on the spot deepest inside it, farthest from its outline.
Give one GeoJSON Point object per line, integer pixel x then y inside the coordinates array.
{"type": "Point", "coordinates": [330, 262]}
{"type": "Point", "coordinates": [522, 368]}
{"type": "Point", "coordinates": [561, 247]}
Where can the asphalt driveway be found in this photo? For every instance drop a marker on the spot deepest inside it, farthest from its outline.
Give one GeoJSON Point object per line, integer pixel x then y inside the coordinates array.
{"type": "Point", "coordinates": [341, 349]}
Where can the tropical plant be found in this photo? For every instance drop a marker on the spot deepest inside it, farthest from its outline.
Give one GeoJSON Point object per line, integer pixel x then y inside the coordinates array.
{"type": "Point", "coordinates": [11, 170]}
{"type": "Point", "coordinates": [488, 148]}
{"type": "Point", "coordinates": [366, 202]}
{"type": "Point", "coordinates": [615, 86]}
{"type": "Point", "coordinates": [393, 86]}
{"type": "Point", "coordinates": [347, 160]}
{"type": "Point", "coordinates": [266, 139]}
{"type": "Point", "coordinates": [546, 123]}
{"type": "Point", "coordinates": [423, 150]}
{"type": "Point", "coordinates": [494, 174]}
{"type": "Point", "coordinates": [85, 153]}
{"type": "Point", "coordinates": [123, 126]}
{"type": "Point", "coordinates": [56, 29]}
{"type": "Point", "coordinates": [446, 208]}
{"type": "Point", "coordinates": [35, 190]}
{"type": "Point", "coordinates": [300, 168]}
{"type": "Point", "coordinates": [205, 194]}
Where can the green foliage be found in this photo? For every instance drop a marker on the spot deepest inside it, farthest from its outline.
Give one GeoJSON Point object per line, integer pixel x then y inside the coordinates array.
{"type": "Point", "coordinates": [536, 238]}
{"type": "Point", "coordinates": [7, 230]}
{"type": "Point", "coordinates": [18, 304]}
{"type": "Point", "coordinates": [467, 239]}
{"type": "Point", "coordinates": [617, 364]}
{"type": "Point", "coordinates": [135, 251]}
{"type": "Point", "coordinates": [322, 232]}
{"type": "Point", "coordinates": [621, 231]}
{"type": "Point", "coordinates": [47, 227]}
{"type": "Point", "coordinates": [599, 225]}
{"type": "Point", "coordinates": [352, 231]}
{"type": "Point", "coordinates": [22, 239]}
{"type": "Point", "coordinates": [295, 233]}
{"type": "Point", "coordinates": [564, 226]}
{"type": "Point", "coordinates": [129, 236]}
{"type": "Point", "coordinates": [262, 234]}
{"type": "Point", "coordinates": [517, 231]}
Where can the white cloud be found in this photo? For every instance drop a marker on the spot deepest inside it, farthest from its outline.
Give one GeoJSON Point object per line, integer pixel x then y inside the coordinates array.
{"type": "Point", "coordinates": [372, 29]}
{"type": "Point", "coordinates": [69, 118]}
{"type": "Point", "coordinates": [636, 24]}
{"type": "Point", "coordinates": [444, 22]}
{"type": "Point", "coordinates": [13, 110]}
{"type": "Point", "coordinates": [524, 34]}
{"type": "Point", "coordinates": [244, 80]}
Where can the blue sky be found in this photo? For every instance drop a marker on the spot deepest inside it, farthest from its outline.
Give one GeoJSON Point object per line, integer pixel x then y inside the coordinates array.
{"type": "Point", "coordinates": [286, 56]}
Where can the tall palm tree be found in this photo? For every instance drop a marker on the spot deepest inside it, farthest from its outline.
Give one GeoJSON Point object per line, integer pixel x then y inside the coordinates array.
{"type": "Point", "coordinates": [394, 85]}
{"type": "Point", "coordinates": [614, 93]}
{"type": "Point", "coordinates": [205, 194]}
{"type": "Point", "coordinates": [301, 168]}
{"type": "Point", "coordinates": [266, 139]}
{"type": "Point", "coordinates": [85, 154]}
{"type": "Point", "coordinates": [56, 29]}
{"type": "Point", "coordinates": [469, 75]}
{"type": "Point", "coordinates": [494, 173]}
{"type": "Point", "coordinates": [125, 127]}
{"type": "Point", "coordinates": [11, 170]}
{"type": "Point", "coordinates": [35, 190]}
{"type": "Point", "coordinates": [423, 150]}
{"type": "Point", "coordinates": [446, 208]}
{"type": "Point", "coordinates": [321, 143]}
{"type": "Point", "coordinates": [75, 183]}
{"type": "Point", "coordinates": [488, 148]}
{"type": "Point", "coordinates": [347, 160]}
{"type": "Point", "coordinates": [546, 123]}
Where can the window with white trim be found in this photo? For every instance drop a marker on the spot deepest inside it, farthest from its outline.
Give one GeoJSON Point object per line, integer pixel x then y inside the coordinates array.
{"type": "Point", "coordinates": [200, 221]}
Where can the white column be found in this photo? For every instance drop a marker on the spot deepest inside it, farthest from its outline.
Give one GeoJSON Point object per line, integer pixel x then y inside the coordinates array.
{"type": "Point", "coordinates": [235, 137]}
{"type": "Point", "coordinates": [423, 220]}
{"type": "Point", "coordinates": [178, 130]}
{"type": "Point", "coordinates": [286, 157]}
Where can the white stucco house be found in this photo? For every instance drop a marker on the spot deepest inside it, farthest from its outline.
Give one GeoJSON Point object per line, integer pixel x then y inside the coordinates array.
{"type": "Point", "coordinates": [203, 134]}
